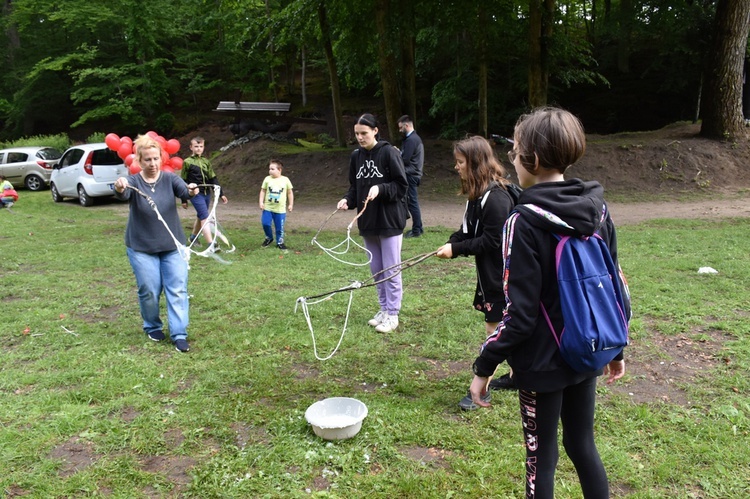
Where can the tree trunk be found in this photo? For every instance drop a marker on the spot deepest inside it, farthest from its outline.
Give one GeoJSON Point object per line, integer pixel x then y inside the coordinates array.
{"type": "Point", "coordinates": [408, 58]}
{"type": "Point", "coordinates": [721, 105]}
{"type": "Point", "coordinates": [325, 30]}
{"type": "Point", "coordinates": [303, 76]}
{"type": "Point", "coordinates": [387, 63]}
{"type": "Point", "coordinates": [483, 71]}
{"type": "Point", "coordinates": [271, 72]}
{"type": "Point", "coordinates": [625, 32]}
{"type": "Point", "coordinates": [541, 18]}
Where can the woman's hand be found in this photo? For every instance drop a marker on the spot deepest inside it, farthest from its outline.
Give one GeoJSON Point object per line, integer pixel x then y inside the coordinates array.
{"type": "Point", "coordinates": [445, 251]}
{"type": "Point", "coordinates": [121, 184]}
{"type": "Point", "coordinates": [342, 205]}
{"type": "Point", "coordinates": [374, 191]}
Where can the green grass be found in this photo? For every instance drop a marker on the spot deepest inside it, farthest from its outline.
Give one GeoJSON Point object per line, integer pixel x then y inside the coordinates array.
{"type": "Point", "coordinates": [90, 407]}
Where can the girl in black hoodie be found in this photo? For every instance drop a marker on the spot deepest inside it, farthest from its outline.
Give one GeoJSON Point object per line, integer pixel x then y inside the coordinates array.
{"type": "Point", "coordinates": [376, 176]}
{"type": "Point", "coordinates": [546, 142]}
{"type": "Point", "coordinates": [483, 182]}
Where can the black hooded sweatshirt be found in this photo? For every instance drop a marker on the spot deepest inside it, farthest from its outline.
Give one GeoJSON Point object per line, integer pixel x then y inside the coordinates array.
{"type": "Point", "coordinates": [523, 338]}
{"type": "Point", "coordinates": [382, 166]}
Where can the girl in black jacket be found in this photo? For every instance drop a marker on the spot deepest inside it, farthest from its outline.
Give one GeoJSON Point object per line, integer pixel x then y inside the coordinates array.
{"type": "Point", "coordinates": [546, 142]}
{"type": "Point", "coordinates": [483, 182]}
{"type": "Point", "coordinates": [376, 176]}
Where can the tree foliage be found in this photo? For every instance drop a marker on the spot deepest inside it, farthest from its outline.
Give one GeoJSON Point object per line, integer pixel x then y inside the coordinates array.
{"type": "Point", "coordinates": [458, 67]}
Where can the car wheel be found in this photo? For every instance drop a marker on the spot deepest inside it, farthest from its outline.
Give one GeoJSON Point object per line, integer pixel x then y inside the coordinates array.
{"type": "Point", "coordinates": [34, 183]}
{"type": "Point", "coordinates": [56, 197]}
{"type": "Point", "coordinates": [84, 198]}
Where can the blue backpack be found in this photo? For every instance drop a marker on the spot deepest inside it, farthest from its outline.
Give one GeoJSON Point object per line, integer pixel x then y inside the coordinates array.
{"type": "Point", "coordinates": [591, 298]}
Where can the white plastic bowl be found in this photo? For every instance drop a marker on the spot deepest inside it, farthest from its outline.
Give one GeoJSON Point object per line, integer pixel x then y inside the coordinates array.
{"type": "Point", "coordinates": [336, 418]}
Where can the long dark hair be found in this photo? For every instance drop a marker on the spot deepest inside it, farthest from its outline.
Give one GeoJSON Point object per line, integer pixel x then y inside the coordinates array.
{"type": "Point", "coordinates": [368, 119]}
{"type": "Point", "coordinates": [482, 167]}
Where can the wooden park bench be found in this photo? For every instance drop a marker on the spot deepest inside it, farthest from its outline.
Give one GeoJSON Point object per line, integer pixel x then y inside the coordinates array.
{"type": "Point", "coordinates": [257, 110]}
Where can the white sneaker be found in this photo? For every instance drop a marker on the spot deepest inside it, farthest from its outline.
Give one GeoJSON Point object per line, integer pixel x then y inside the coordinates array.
{"type": "Point", "coordinates": [378, 319]}
{"type": "Point", "coordinates": [389, 324]}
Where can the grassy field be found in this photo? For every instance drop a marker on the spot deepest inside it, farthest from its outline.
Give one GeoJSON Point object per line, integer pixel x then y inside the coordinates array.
{"type": "Point", "coordinates": [89, 407]}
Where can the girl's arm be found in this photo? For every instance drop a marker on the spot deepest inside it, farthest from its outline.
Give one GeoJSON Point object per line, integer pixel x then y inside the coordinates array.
{"type": "Point", "coordinates": [492, 217]}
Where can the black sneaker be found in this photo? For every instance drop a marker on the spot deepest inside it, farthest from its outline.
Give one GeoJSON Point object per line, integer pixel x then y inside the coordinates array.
{"type": "Point", "coordinates": [282, 246]}
{"type": "Point", "coordinates": [157, 335]}
{"type": "Point", "coordinates": [413, 233]}
{"type": "Point", "coordinates": [504, 382]}
{"type": "Point", "coordinates": [182, 345]}
{"type": "Point", "coordinates": [266, 242]}
{"type": "Point", "coordinates": [468, 405]}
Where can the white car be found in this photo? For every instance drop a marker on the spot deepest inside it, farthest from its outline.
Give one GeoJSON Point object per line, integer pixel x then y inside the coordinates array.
{"type": "Point", "coordinates": [30, 167]}
{"type": "Point", "coordinates": [86, 172]}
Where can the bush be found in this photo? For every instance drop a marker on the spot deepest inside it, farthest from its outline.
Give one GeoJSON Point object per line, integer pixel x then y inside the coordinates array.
{"type": "Point", "coordinates": [60, 141]}
{"type": "Point", "coordinates": [326, 141]}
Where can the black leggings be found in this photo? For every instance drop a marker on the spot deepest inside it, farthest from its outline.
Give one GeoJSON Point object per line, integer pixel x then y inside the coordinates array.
{"type": "Point", "coordinates": [540, 412]}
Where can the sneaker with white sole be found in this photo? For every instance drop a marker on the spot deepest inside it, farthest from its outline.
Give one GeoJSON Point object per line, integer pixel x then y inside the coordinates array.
{"type": "Point", "coordinates": [468, 405]}
{"type": "Point", "coordinates": [378, 319]}
{"type": "Point", "coordinates": [389, 324]}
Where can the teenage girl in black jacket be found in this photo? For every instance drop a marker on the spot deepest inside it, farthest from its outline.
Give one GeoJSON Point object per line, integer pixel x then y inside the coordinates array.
{"type": "Point", "coordinates": [483, 182]}
{"type": "Point", "coordinates": [546, 142]}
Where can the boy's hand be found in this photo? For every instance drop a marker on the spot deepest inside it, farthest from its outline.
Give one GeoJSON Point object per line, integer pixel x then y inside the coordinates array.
{"type": "Point", "coordinates": [290, 208]}
{"type": "Point", "coordinates": [224, 199]}
{"type": "Point", "coordinates": [262, 206]}
{"type": "Point", "coordinates": [184, 205]}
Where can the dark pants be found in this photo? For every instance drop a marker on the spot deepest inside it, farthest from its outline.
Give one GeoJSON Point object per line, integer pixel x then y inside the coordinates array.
{"type": "Point", "coordinates": [540, 412]}
{"type": "Point", "coordinates": [413, 204]}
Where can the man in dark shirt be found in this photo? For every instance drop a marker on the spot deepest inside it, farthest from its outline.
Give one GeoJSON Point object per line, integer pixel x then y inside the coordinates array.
{"type": "Point", "coordinates": [412, 153]}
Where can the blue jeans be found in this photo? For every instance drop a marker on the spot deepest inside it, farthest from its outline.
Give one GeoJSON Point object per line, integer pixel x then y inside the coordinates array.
{"type": "Point", "coordinates": [278, 221]}
{"type": "Point", "coordinates": [413, 203]}
{"type": "Point", "coordinates": [157, 272]}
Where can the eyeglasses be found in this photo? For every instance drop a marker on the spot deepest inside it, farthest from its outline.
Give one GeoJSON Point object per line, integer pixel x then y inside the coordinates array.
{"type": "Point", "coordinates": [512, 155]}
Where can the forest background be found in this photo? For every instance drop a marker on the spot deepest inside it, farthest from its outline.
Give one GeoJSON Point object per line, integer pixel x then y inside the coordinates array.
{"type": "Point", "coordinates": [78, 66]}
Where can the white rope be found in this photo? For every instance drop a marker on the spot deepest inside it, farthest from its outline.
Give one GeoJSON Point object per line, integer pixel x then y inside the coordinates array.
{"type": "Point", "coordinates": [303, 301]}
{"type": "Point", "coordinates": [213, 229]}
{"type": "Point", "coordinates": [333, 253]}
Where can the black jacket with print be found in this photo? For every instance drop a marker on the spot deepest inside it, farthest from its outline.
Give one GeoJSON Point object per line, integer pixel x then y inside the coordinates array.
{"type": "Point", "coordinates": [382, 166]}
{"type": "Point", "coordinates": [523, 337]}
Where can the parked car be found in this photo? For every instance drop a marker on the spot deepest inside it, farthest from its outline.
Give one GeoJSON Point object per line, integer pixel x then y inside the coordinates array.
{"type": "Point", "coordinates": [86, 172]}
{"type": "Point", "coordinates": [30, 167]}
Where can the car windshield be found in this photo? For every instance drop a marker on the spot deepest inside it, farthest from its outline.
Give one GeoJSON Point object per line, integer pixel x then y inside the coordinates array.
{"type": "Point", "coordinates": [48, 153]}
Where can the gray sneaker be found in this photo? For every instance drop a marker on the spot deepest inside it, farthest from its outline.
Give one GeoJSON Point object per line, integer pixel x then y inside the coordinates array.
{"type": "Point", "coordinates": [468, 405]}
{"type": "Point", "coordinates": [378, 319]}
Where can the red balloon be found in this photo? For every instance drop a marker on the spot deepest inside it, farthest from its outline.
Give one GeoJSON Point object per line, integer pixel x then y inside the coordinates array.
{"type": "Point", "coordinates": [129, 159]}
{"type": "Point", "coordinates": [177, 163]}
{"type": "Point", "coordinates": [164, 157]}
{"type": "Point", "coordinates": [113, 141]}
{"type": "Point", "coordinates": [124, 150]}
{"type": "Point", "coordinates": [167, 169]}
{"type": "Point", "coordinates": [152, 134]}
{"type": "Point", "coordinates": [173, 145]}
{"type": "Point", "coordinates": [134, 168]}
{"type": "Point", "coordinates": [126, 140]}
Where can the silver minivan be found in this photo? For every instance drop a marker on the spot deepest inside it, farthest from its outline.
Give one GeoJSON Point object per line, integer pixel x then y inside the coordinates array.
{"type": "Point", "coordinates": [86, 171]}
{"type": "Point", "coordinates": [30, 167]}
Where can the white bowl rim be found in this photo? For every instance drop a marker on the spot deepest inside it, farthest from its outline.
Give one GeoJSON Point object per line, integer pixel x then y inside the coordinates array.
{"type": "Point", "coordinates": [315, 422]}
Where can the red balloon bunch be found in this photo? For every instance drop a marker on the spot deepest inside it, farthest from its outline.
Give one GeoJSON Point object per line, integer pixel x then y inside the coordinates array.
{"type": "Point", "coordinates": [123, 146]}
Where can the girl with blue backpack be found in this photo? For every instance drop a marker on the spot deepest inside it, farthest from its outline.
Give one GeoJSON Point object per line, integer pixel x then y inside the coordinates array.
{"type": "Point", "coordinates": [546, 142]}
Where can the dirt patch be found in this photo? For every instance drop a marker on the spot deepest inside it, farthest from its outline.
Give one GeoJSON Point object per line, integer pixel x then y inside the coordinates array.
{"type": "Point", "coordinates": [661, 367]}
{"type": "Point", "coordinates": [75, 455]}
{"type": "Point", "coordinates": [651, 170]}
{"type": "Point", "coordinates": [428, 456]}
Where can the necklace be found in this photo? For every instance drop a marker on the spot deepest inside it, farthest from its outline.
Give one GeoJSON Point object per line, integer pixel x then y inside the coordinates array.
{"type": "Point", "coordinates": [152, 186]}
